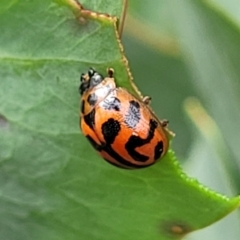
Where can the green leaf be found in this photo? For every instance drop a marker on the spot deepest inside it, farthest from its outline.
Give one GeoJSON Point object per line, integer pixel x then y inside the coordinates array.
{"type": "Point", "coordinates": [53, 185]}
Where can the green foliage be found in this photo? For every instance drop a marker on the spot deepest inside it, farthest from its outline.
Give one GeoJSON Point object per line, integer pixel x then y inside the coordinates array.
{"type": "Point", "coordinates": [53, 185]}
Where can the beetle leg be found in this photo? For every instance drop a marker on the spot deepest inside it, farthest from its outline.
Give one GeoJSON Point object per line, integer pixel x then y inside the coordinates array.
{"type": "Point", "coordinates": [146, 100]}
{"type": "Point", "coordinates": [110, 72]}
{"type": "Point", "coordinates": [164, 122]}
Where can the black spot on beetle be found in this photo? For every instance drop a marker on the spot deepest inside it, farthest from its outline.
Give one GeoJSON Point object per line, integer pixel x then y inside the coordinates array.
{"type": "Point", "coordinates": [132, 143]}
{"type": "Point", "coordinates": [90, 119]}
{"type": "Point", "coordinates": [124, 162]}
{"type": "Point", "coordinates": [136, 141]}
{"type": "Point", "coordinates": [82, 106]}
{"type": "Point", "coordinates": [108, 149]}
{"type": "Point", "coordinates": [110, 130]}
{"type": "Point", "coordinates": [92, 99]}
{"type": "Point", "coordinates": [133, 116]}
{"type": "Point", "coordinates": [112, 103]}
{"type": "Point", "coordinates": [158, 150]}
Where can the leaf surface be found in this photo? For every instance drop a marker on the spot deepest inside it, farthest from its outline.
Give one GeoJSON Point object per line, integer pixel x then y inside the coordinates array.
{"type": "Point", "coordinates": [53, 185]}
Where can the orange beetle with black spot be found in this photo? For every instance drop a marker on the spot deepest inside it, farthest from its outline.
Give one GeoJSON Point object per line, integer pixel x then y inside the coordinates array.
{"type": "Point", "coordinates": [120, 127]}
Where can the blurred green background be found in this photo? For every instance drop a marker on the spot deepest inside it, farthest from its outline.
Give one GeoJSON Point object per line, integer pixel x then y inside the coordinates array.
{"type": "Point", "coordinates": [192, 50]}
